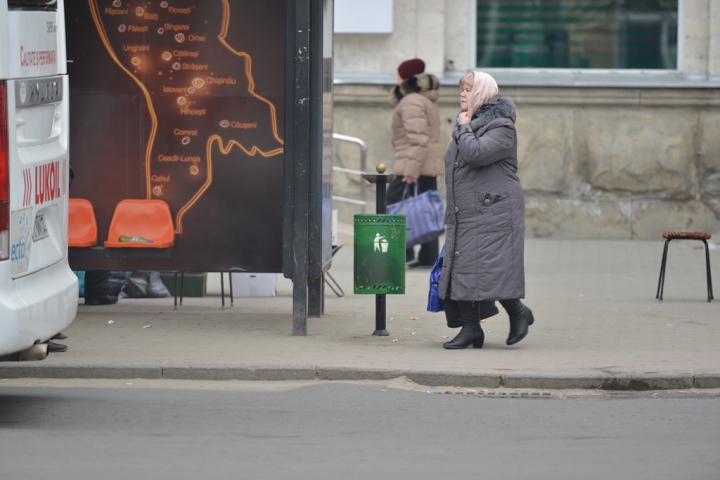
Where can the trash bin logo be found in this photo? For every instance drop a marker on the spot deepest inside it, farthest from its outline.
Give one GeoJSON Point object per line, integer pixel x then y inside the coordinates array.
{"type": "Point", "coordinates": [381, 244]}
{"type": "Point", "coordinates": [379, 254]}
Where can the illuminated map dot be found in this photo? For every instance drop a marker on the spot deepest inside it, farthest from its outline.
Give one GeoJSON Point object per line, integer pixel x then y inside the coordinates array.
{"type": "Point", "coordinates": [163, 4]}
{"type": "Point", "coordinates": [191, 90]}
{"type": "Point", "coordinates": [180, 37]}
{"type": "Point", "coordinates": [176, 65]}
{"type": "Point", "coordinates": [194, 170]}
{"type": "Point", "coordinates": [117, 4]}
{"type": "Point", "coordinates": [182, 100]}
{"type": "Point", "coordinates": [139, 11]}
{"type": "Point", "coordinates": [161, 31]}
{"type": "Point", "coordinates": [122, 28]}
{"type": "Point", "coordinates": [167, 56]}
{"type": "Point", "coordinates": [198, 83]}
{"type": "Point", "coordinates": [157, 190]}
{"type": "Point", "coordinates": [185, 140]}
{"type": "Point", "coordinates": [135, 61]}
{"type": "Point", "coordinates": [224, 124]}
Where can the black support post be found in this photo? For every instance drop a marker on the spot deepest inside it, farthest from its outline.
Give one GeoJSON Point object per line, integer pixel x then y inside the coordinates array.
{"type": "Point", "coordinates": [301, 145]}
{"type": "Point", "coordinates": [315, 180]}
{"type": "Point", "coordinates": [380, 300]}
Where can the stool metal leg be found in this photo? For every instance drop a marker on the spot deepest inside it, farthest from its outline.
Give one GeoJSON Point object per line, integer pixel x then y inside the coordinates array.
{"type": "Point", "coordinates": [182, 286]}
{"type": "Point", "coordinates": [661, 280]}
{"type": "Point", "coordinates": [175, 290]}
{"type": "Point", "coordinates": [232, 297]}
{"type": "Point", "coordinates": [222, 290]}
{"type": "Point", "coordinates": [707, 266]}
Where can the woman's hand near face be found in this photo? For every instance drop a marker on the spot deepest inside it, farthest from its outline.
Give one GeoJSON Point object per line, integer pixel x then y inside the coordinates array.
{"type": "Point", "coordinates": [465, 117]}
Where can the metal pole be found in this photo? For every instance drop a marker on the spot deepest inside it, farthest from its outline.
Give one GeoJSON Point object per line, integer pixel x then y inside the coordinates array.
{"type": "Point", "coordinates": [380, 300]}
{"type": "Point", "coordinates": [301, 153]}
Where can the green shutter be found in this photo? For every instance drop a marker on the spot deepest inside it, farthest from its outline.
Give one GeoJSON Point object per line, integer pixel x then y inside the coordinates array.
{"type": "Point", "coordinates": [635, 34]}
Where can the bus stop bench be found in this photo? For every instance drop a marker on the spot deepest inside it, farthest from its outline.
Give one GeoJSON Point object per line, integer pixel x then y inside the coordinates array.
{"type": "Point", "coordinates": [146, 218]}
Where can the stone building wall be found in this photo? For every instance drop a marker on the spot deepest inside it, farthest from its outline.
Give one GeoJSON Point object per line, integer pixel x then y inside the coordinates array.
{"type": "Point", "coordinates": [616, 161]}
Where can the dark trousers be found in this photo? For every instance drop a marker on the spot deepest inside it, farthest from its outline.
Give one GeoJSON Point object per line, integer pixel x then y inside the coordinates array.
{"type": "Point", "coordinates": [97, 283]}
{"type": "Point", "coordinates": [429, 251]}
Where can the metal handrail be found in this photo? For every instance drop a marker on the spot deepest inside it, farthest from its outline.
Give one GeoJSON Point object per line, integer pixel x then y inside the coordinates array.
{"type": "Point", "coordinates": [363, 167]}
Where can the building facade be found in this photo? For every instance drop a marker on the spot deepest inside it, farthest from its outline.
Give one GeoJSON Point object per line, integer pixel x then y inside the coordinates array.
{"type": "Point", "coordinates": [617, 103]}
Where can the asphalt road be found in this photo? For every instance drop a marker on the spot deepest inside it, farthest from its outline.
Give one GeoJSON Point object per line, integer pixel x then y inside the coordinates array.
{"type": "Point", "coordinates": [161, 430]}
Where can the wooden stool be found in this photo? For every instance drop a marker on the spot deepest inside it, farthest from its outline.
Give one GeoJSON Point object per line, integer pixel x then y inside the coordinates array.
{"type": "Point", "coordinates": [680, 235]}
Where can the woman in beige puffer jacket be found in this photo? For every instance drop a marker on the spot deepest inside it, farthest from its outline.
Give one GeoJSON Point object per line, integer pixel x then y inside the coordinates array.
{"type": "Point", "coordinates": [416, 128]}
{"type": "Point", "coordinates": [416, 141]}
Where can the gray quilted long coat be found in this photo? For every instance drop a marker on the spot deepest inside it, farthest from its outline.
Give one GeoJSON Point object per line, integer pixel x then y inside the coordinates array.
{"type": "Point", "coordinates": [485, 216]}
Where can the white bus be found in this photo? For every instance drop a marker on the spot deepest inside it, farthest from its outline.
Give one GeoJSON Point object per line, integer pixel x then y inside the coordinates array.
{"type": "Point", "coordinates": [38, 291]}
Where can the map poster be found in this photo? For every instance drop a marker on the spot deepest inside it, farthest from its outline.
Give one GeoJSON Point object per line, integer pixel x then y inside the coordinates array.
{"type": "Point", "coordinates": [182, 101]}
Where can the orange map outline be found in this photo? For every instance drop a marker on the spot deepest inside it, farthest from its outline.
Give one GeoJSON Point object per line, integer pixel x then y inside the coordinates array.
{"type": "Point", "coordinates": [224, 149]}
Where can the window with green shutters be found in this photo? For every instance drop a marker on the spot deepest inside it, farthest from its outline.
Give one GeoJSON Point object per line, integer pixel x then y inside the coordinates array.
{"type": "Point", "coordinates": [603, 34]}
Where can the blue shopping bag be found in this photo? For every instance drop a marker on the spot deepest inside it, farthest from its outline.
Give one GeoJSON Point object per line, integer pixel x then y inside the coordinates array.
{"type": "Point", "coordinates": [424, 215]}
{"type": "Point", "coordinates": [435, 303]}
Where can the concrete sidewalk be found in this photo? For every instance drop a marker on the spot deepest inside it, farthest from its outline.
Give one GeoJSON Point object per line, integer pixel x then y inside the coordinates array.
{"type": "Point", "coordinates": [598, 325]}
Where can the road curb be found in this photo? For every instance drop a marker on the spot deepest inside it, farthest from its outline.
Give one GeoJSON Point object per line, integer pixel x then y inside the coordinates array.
{"type": "Point", "coordinates": [474, 379]}
{"type": "Point", "coordinates": [188, 371]}
{"type": "Point", "coordinates": [81, 370]}
{"type": "Point", "coordinates": [512, 379]}
{"type": "Point", "coordinates": [598, 380]}
{"type": "Point", "coordinates": [707, 378]}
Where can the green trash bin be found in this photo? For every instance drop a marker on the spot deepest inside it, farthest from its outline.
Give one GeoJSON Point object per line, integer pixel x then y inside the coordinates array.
{"type": "Point", "coordinates": [379, 254]}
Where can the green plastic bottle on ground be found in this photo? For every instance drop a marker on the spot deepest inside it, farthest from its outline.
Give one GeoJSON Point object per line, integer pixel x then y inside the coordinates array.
{"type": "Point", "coordinates": [124, 239]}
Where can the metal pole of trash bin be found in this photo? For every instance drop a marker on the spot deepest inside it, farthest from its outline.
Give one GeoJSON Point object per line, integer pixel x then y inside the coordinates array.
{"type": "Point", "coordinates": [381, 180]}
{"type": "Point", "coordinates": [380, 300]}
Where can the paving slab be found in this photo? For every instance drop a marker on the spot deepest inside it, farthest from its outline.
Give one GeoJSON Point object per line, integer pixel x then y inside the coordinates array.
{"type": "Point", "coordinates": [598, 325]}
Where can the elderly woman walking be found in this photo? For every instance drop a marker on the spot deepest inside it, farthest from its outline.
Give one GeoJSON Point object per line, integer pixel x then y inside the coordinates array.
{"type": "Point", "coordinates": [485, 214]}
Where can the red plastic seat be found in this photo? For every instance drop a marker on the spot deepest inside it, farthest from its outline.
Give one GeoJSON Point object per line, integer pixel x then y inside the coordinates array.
{"type": "Point", "coordinates": [82, 227]}
{"type": "Point", "coordinates": [150, 219]}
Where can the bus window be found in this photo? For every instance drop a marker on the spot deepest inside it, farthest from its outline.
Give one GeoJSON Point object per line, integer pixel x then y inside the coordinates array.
{"type": "Point", "coordinates": [32, 5]}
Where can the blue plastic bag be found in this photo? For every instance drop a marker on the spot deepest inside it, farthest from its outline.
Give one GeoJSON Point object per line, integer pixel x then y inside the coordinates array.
{"type": "Point", "coordinates": [81, 282]}
{"type": "Point", "coordinates": [424, 215]}
{"type": "Point", "coordinates": [435, 303]}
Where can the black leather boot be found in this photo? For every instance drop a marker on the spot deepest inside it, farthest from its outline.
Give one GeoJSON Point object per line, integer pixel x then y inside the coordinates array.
{"type": "Point", "coordinates": [483, 310]}
{"type": "Point", "coordinates": [521, 317]}
{"type": "Point", "coordinates": [452, 313]}
{"type": "Point", "coordinates": [471, 332]}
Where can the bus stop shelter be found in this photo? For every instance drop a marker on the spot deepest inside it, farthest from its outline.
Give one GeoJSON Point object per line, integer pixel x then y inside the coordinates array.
{"type": "Point", "coordinates": [222, 110]}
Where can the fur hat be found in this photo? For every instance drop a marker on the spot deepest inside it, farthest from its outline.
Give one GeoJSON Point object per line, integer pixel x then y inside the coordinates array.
{"type": "Point", "coordinates": [409, 68]}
